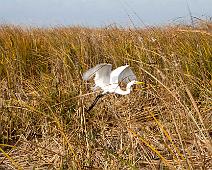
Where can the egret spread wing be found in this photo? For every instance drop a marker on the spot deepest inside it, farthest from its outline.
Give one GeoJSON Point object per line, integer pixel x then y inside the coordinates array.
{"type": "Point", "coordinates": [122, 74]}
{"type": "Point", "coordinates": [92, 71]}
{"type": "Point", "coordinates": [101, 72]}
{"type": "Point", "coordinates": [127, 75]}
{"type": "Point", "coordinates": [114, 76]}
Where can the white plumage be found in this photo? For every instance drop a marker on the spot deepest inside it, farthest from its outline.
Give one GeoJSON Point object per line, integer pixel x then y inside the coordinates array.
{"type": "Point", "coordinates": [109, 80]}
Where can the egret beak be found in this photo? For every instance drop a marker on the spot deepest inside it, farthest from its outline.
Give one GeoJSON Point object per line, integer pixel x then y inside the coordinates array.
{"type": "Point", "coordinates": [139, 82]}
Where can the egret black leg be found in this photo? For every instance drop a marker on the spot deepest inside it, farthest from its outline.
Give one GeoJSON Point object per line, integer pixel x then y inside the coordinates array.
{"type": "Point", "coordinates": [95, 101]}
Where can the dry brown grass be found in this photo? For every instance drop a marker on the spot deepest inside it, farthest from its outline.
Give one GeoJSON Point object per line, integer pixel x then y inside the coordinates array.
{"type": "Point", "coordinates": [164, 124]}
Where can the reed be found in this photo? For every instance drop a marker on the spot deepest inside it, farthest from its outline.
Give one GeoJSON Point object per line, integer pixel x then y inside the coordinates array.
{"type": "Point", "coordinates": [163, 124]}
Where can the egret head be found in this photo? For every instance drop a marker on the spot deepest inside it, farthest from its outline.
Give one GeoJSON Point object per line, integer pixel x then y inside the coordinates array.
{"type": "Point", "coordinates": [134, 82]}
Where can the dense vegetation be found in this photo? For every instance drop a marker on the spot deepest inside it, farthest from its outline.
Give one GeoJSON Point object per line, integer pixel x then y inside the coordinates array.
{"type": "Point", "coordinates": [163, 124]}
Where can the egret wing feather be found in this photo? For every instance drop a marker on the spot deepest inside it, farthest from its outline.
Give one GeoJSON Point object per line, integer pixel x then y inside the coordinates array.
{"type": "Point", "coordinates": [127, 75]}
{"type": "Point", "coordinates": [102, 75]}
{"type": "Point", "coordinates": [122, 74]}
{"type": "Point", "coordinates": [92, 71]}
{"type": "Point", "coordinates": [114, 76]}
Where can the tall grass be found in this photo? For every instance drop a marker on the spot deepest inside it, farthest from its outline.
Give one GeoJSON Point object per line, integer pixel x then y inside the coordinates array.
{"type": "Point", "coordinates": [164, 124]}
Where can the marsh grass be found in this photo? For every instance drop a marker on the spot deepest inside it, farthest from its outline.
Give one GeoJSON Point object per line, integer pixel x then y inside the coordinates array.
{"type": "Point", "coordinates": [163, 124]}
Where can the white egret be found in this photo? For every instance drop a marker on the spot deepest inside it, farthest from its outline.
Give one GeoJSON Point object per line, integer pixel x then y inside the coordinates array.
{"type": "Point", "coordinates": [108, 80]}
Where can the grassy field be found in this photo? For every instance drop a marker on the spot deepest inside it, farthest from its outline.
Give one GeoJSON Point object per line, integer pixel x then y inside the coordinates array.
{"type": "Point", "coordinates": [166, 123]}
